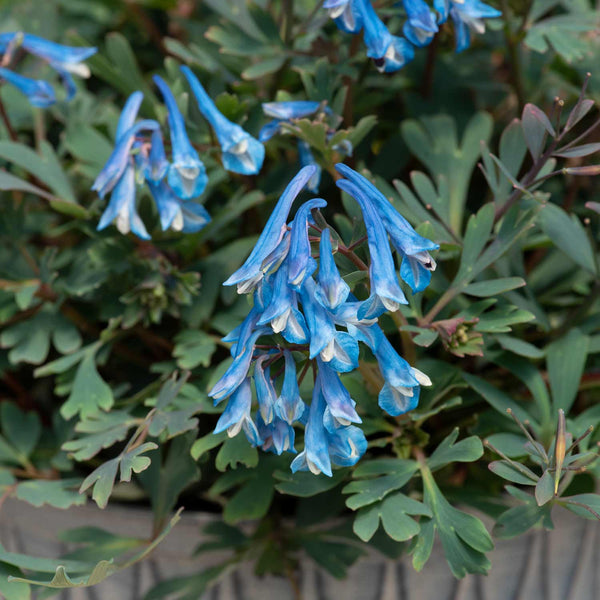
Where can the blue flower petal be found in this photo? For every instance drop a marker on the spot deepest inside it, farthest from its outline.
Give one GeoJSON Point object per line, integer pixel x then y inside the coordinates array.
{"type": "Point", "coordinates": [289, 406]}
{"type": "Point", "coordinates": [332, 290]}
{"type": "Point", "coordinates": [39, 92]}
{"type": "Point", "coordinates": [292, 109]}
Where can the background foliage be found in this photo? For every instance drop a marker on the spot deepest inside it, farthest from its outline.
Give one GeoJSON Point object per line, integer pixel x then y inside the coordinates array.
{"type": "Point", "coordinates": [110, 343]}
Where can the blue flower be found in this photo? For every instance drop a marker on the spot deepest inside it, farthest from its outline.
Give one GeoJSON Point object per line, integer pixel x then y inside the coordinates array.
{"type": "Point", "coordinates": [346, 443]}
{"type": "Point", "coordinates": [238, 369]}
{"type": "Point", "coordinates": [265, 391]}
{"type": "Point", "coordinates": [236, 415]}
{"type": "Point", "coordinates": [278, 436]}
{"type": "Point", "coordinates": [292, 109]}
{"type": "Point", "coordinates": [121, 207]}
{"type": "Point", "coordinates": [157, 165]}
{"type": "Point", "coordinates": [282, 310]}
{"type": "Point", "coordinates": [39, 92]}
{"type": "Point", "coordinates": [241, 152]}
{"type": "Point", "coordinates": [176, 214]}
{"type": "Point", "coordinates": [417, 264]}
{"type": "Point", "coordinates": [421, 26]}
{"type": "Point", "coordinates": [385, 291]}
{"type": "Point", "coordinates": [400, 392]}
{"type": "Point", "coordinates": [346, 14]}
{"type": "Point", "coordinates": [300, 262]}
{"type": "Point", "coordinates": [315, 456]}
{"type": "Point", "coordinates": [187, 174]}
{"type": "Point", "coordinates": [65, 60]}
{"type": "Point", "coordinates": [251, 272]}
{"type": "Point", "coordinates": [289, 406]}
{"type": "Point", "coordinates": [332, 290]}
{"type": "Point", "coordinates": [306, 158]}
{"type": "Point", "coordinates": [340, 404]}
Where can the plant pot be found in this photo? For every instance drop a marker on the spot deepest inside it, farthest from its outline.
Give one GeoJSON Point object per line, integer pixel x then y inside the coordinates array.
{"type": "Point", "coordinates": [559, 565]}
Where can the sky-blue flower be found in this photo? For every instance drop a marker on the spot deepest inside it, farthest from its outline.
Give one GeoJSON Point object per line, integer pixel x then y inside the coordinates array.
{"type": "Point", "coordinates": [265, 391]}
{"type": "Point", "coordinates": [39, 92]}
{"type": "Point", "coordinates": [421, 25]}
{"type": "Point", "coordinates": [332, 290]}
{"type": "Point", "coordinates": [307, 158]}
{"type": "Point", "coordinates": [241, 152]}
{"type": "Point", "coordinates": [250, 273]}
{"type": "Point", "coordinates": [187, 174]}
{"type": "Point", "coordinates": [289, 407]}
{"type": "Point", "coordinates": [338, 399]}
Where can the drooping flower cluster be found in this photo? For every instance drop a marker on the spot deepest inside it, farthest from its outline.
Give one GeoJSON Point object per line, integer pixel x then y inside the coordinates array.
{"type": "Point", "coordinates": [391, 52]}
{"type": "Point", "coordinates": [288, 112]}
{"type": "Point", "coordinates": [316, 321]}
{"type": "Point", "coordinates": [65, 60]}
{"type": "Point", "coordinates": [139, 156]}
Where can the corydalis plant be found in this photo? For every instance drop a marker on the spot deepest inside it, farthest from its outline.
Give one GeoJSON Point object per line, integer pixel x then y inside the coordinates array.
{"type": "Point", "coordinates": [317, 323]}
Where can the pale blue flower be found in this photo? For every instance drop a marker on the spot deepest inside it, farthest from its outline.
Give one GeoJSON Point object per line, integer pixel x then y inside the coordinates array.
{"type": "Point", "coordinates": [417, 263]}
{"type": "Point", "coordinates": [385, 291]}
{"type": "Point", "coordinates": [157, 165]}
{"type": "Point", "coordinates": [187, 174]}
{"type": "Point", "coordinates": [340, 404]}
{"type": "Point", "coordinates": [292, 109]}
{"type": "Point", "coordinates": [347, 14]}
{"type": "Point", "coordinates": [300, 262]}
{"type": "Point", "coordinates": [241, 152]}
{"type": "Point", "coordinates": [251, 273]}
{"type": "Point", "coordinates": [265, 391]}
{"type": "Point", "coordinates": [346, 443]}
{"type": "Point", "coordinates": [319, 321]}
{"type": "Point", "coordinates": [332, 290]}
{"type": "Point", "coordinates": [306, 158]}
{"type": "Point", "coordinates": [236, 415]}
{"type": "Point", "coordinates": [289, 407]}
{"type": "Point", "coordinates": [39, 92]}
{"type": "Point", "coordinates": [315, 456]}
{"type": "Point", "coordinates": [278, 436]}
{"type": "Point", "coordinates": [176, 214]}
{"type": "Point", "coordinates": [121, 207]}
{"type": "Point", "coordinates": [421, 25]}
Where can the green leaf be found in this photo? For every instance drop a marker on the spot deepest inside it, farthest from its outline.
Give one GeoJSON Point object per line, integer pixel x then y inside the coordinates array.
{"type": "Point", "coordinates": [100, 572]}
{"type": "Point", "coordinates": [21, 429]}
{"type": "Point", "coordinates": [544, 489]}
{"type": "Point", "coordinates": [536, 126]}
{"type": "Point", "coordinates": [499, 400]}
{"type": "Point", "coordinates": [566, 360]}
{"type": "Point", "coordinates": [334, 557]}
{"type": "Point", "coordinates": [206, 443]}
{"type": "Point", "coordinates": [305, 484]}
{"type": "Point", "coordinates": [493, 287]}
{"type": "Point", "coordinates": [585, 500]}
{"type": "Point", "coordinates": [478, 232]}
{"type": "Point", "coordinates": [89, 393]}
{"type": "Point", "coordinates": [567, 233]}
{"type": "Point", "coordinates": [510, 472]}
{"type": "Point", "coordinates": [467, 450]}
{"type": "Point", "coordinates": [264, 67]}
{"type": "Point", "coordinates": [464, 537]}
{"type": "Point", "coordinates": [9, 182]}
{"type": "Point", "coordinates": [510, 444]}
{"type": "Point", "coordinates": [12, 590]}
{"type": "Point", "coordinates": [393, 512]}
{"type": "Point", "coordinates": [519, 519]}
{"type": "Point", "coordinates": [252, 500]}
{"type": "Point", "coordinates": [234, 451]}
{"type": "Point", "coordinates": [192, 348]}
{"type": "Point", "coordinates": [133, 461]}
{"type": "Point", "coordinates": [520, 347]}
{"type": "Point", "coordinates": [60, 494]}
{"type": "Point", "coordinates": [396, 473]}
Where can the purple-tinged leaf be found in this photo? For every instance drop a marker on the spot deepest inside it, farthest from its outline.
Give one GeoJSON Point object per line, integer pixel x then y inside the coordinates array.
{"type": "Point", "coordinates": [595, 206]}
{"type": "Point", "coordinates": [581, 109]}
{"type": "Point", "coordinates": [535, 126]}
{"type": "Point", "coordinates": [583, 150]}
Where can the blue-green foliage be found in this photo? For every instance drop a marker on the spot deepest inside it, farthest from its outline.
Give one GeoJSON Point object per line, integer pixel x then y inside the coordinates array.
{"type": "Point", "coordinates": [408, 238]}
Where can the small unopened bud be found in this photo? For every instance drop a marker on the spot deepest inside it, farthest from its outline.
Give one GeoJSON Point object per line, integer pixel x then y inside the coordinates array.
{"type": "Point", "coordinates": [560, 447]}
{"type": "Point", "coordinates": [589, 170]}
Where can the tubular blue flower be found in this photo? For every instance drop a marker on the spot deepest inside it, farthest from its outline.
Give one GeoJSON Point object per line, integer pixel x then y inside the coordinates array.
{"type": "Point", "coordinates": [347, 14]}
{"type": "Point", "coordinates": [241, 152]}
{"type": "Point", "coordinates": [121, 207]}
{"type": "Point", "coordinates": [421, 26]}
{"type": "Point", "coordinates": [236, 415]}
{"type": "Point", "coordinates": [289, 407]}
{"type": "Point", "coordinates": [300, 262]}
{"type": "Point", "coordinates": [62, 58]}
{"type": "Point", "coordinates": [417, 264]}
{"type": "Point", "coordinates": [340, 404]}
{"type": "Point", "coordinates": [443, 9]}
{"type": "Point", "coordinates": [187, 174]}
{"type": "Point", "coordinates": [157, 164]}
{"type": "Point", "coordinates": [306, 158]}
{"type": "Point", "coordinates": [119, 159]}
{"type": "Point", "coordinates": [467, 15]}
{"type": "Point", "coordinates": [38, 92]}
{"type": "Point", "coordinates": [319, 321]}
{"type": "Point", "coordinates": [400, 392]}
{"type": "Point", "coordinates": [238, 369]}
{"type": "Point", "coordinates": [278, 436]}
{"type": "Point", "coordinates": [341, 352]}
{"type": "Point", "coordinates": [346, 443]}
{"type": "Point", "coordinates": [385, 291]}
{"type": "Point", "coordinates": [315, 456]}
{"type": "Point", "coordinates": [292, 109]}
{"type": "Point", "coordinates": [250, 273]}
{"type": "Point", "coordinates": [269, 130]}
{"type": "Point", "coordinates": [332, 290]}
{"type": "Point", "coordinates": [176, 214]}
{"type": "Point", "coordinates": [265, 392]}
{"type": "Point", "coordinates": [282, 310]}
